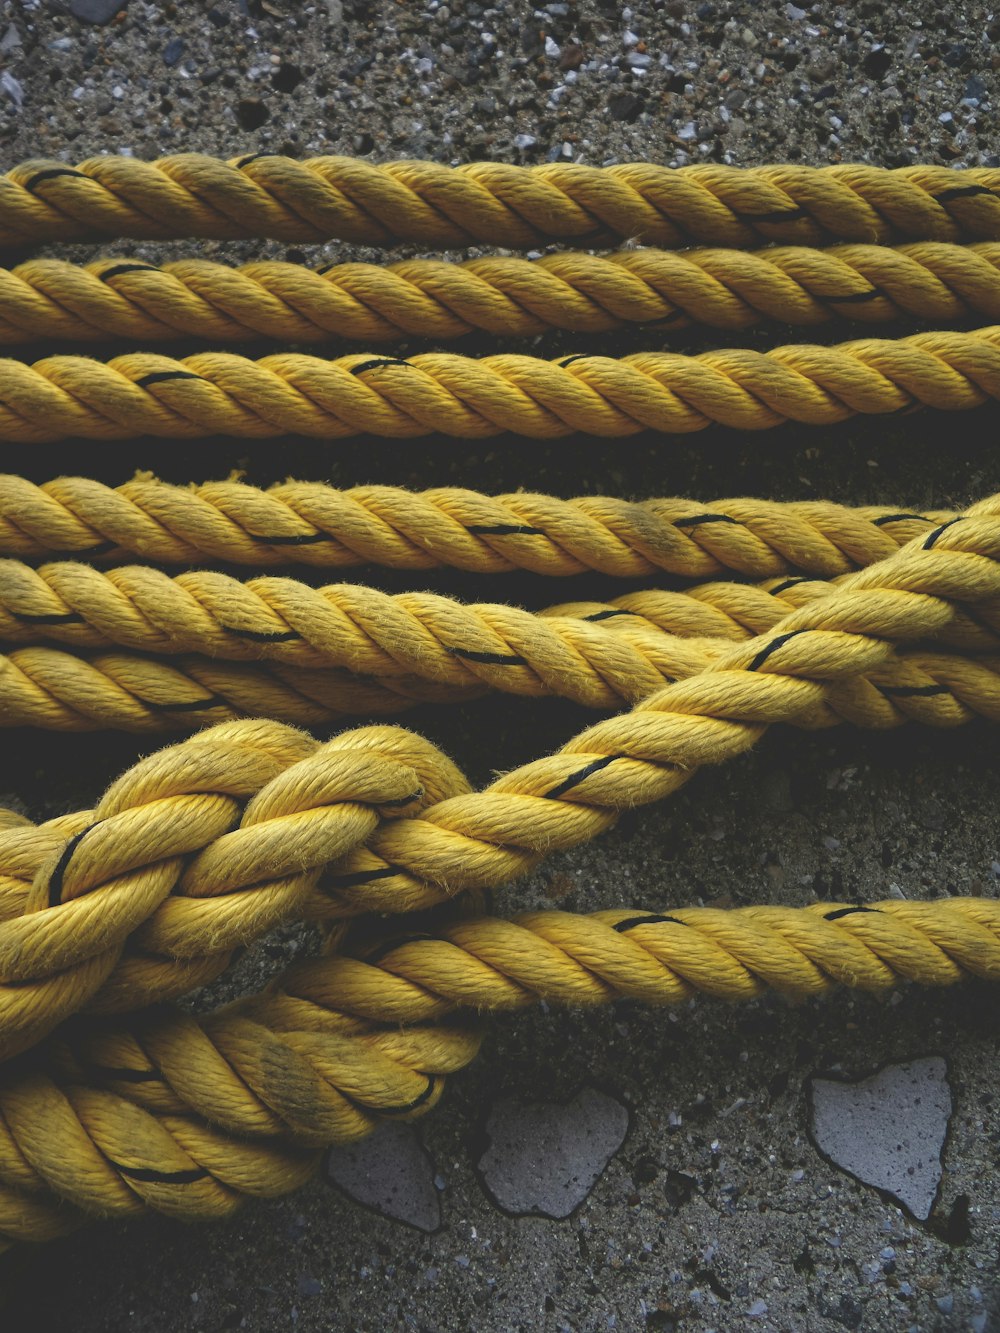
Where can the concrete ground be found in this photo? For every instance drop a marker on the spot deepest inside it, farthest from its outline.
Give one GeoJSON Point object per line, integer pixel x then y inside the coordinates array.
{"type": "Point", "coordinates": [716, 1208]}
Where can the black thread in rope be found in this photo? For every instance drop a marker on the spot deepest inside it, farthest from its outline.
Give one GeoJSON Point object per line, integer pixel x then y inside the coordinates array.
{"type": "Point", "coordinates": [55, 618]}
{"type": "Point", "coordinates": [50, 173]}
{"type": "Point", "coordinates": [611, 612]}
{"type": "Point", "coordinates": [487, 659]}
{"type": "Point", "coordinates": [697, 519]}
{"type": "Point", "coordinates": [653, 920]}
{"type": "Point", "coordinates": [375, 362]}
{"type": "Point", "coordinates": [897, 518]}
{"type": "Point", "coordinates": [768, 649]}
{"type": "Point", "coordinates": [161, 377]}
{"type": "Point", "coordinates": [150, 1176]}
{"type": "Point", "coordinates": [58, 875]}
{"type": "Point", "coordinates": [568, 360]}
{"type": "Point", "coordinates": [264, 636]}
{"type": "Point", "coordinates": [116, 270]}
{"type": "Point", "coordinates": [305, 539]}
{"type": "Point", "coordinates": [855, 298]}
{"type": "Point", "coordinates": [410, 1106]}
{"type": "Point", "coordinates": [251, 157]}
{"type": "Point", "coordinates": [933, 536]}
{"type": "Point", "coordinates": [580, 774]}
{"type": "Point", "coordinates": [788, 583]}
{"type": "Point", "coordinates": [960, 192]}
{"type": "Point", "coordinates": [672, 318]}
{"type": "Point", "coordinates": [358, 877]}
{"type": "Point", "coordinates": [776, 216]}
{"type": "Point", "coordinates": [847, 911]}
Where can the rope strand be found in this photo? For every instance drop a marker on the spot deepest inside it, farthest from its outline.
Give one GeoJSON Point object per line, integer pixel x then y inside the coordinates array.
{"type": "Point", "coordinates": [575, 292]}
{"type": "Point", "coordinates": [213, 393]}
{"type": "Point", "coordinates": [490, 202]}
{"type": "Point", "coordinates": [315, 524]}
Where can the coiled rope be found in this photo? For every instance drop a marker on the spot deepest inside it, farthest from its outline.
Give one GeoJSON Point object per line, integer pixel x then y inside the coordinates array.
{"type": "Point", "coordinates": [426, 298]}
{"type": "Point", "coordinates": [215, 393]}
{"type": "Point", "coordinates": [490, 202]}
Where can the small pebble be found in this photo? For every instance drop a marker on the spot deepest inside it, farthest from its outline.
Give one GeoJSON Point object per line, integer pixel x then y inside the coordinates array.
{"type": "Point", "coordinates": [173, 51]}
{"type": "Point", "coordinates": [96, 11]}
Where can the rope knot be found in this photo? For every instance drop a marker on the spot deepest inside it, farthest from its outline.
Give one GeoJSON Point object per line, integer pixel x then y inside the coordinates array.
{"type": "Point", "coordinates": [193, 852]}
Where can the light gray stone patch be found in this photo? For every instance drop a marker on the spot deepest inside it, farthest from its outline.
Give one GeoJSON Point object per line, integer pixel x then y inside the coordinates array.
{"type": "Point", "coordinates": [887, 1130]}
{"type": "Point", "coordinates": [544, 1158]}
{"type": "Point", "coordinates": [391, 1172]}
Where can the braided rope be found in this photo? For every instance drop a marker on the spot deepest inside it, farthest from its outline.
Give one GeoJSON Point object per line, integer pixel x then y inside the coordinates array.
{"type": "Point", "coordinates": [326, 197]}
{"type": "Point", "coordinates": [312, 523]}
{"type": "Point", "coordinates": [577, 292]}
{"type": "Point", "coordinates": [214, 393]}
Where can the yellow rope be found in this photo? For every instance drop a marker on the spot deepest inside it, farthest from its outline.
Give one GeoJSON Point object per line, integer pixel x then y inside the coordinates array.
{"type": "Point", "coordinates": [312, 523]}
{"type": "Point", "coordinates": [181, 884]}
{"type": "Point", "coordinates": [190, 1116]}
{"type": "Point", "coordinates": [326, 197]}
{"type": "Point", "coordinates": [426, 298]}
{"type": "Point", "coordinates": [206, 845]}
{"type": "Point", "coordinates": [203, 847]}
{"type": "Point", "coordinates": [404, 637]}
{"type": "Point", "coordinates": [215, 393]}
{"type": "Point", "coordinates": [413, 648]}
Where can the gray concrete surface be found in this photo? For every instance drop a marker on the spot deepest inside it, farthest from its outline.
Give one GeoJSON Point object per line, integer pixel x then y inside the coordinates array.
{"type": "Point", "coordinates": [717, 1212]}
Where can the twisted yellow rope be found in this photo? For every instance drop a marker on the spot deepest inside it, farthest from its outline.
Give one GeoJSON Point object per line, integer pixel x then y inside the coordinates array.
{"type": "Point", "coordinates": [75, 894]}
{"type": "Point", "coordinates": [315, 200]}
{"type": "Point", "coordinates": [312, 523]}
{"type": "Point", "coordinates": [213, 393]}
{"type": "Point", "coordinates": [729, 289]}
{"type": "Point", "coordinates": [212, 842]}
{"type": "Point", "coordinates": [190, 1116]}
{"type": "Point", "coordinates": [202, 848]}
{"type": "Point", "coordinates": [409, 648]}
